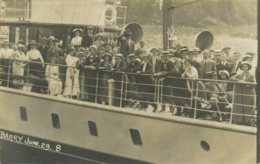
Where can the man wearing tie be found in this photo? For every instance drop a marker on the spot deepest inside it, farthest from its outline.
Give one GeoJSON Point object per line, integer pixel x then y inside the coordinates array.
{"type": "Point", "coordinates": [156, 63]}
{"type": "Point", "coordinates": [88, 39]}
{"type": "Point", "coordinates": [237, 62]}
{"type": "Point", "coordinates": [224, 65]}
{"type": "Point", "coordinates": [208, 66]}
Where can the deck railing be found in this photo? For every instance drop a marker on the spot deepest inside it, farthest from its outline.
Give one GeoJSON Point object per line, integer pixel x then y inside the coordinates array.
{"type": "Point", "coordinates": [194, 98]}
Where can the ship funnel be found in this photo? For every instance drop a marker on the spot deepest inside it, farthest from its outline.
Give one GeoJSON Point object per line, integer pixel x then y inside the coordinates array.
{"type": "Point", "coordinates": [204, 40]}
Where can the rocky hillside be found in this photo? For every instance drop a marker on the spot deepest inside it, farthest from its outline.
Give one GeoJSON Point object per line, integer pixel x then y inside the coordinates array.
{"type": "Point", "coordinates": [200, 14]}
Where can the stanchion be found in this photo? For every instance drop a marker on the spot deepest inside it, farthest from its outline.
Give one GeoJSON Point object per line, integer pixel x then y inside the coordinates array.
{"type": "Point", "coordinates": [232, 107]}
{"type": "Point", "coordinates": [96, 87]}
{"type": "Point", "coordinates": [9, 71]}
{"type": "Point", "coordinates": [196, 101]}
{"type": "Point", "coordinates": [110, 91]}
{"type": "Point", "coordinates": [121, 94]}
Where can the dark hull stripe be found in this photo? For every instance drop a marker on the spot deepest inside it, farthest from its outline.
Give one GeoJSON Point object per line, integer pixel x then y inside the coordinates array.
{"type": "Point", "coordinates": [19, 151]}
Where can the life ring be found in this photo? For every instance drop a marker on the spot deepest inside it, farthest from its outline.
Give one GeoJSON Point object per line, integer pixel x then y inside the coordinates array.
{"type": "Point", "coordinates": [114, 14]}
{"type": "Point", "coordinates": [2, 8]}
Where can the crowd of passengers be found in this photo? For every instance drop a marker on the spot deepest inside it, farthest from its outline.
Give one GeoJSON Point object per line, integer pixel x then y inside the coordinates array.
{"type": "Point", "coordinates": [85, 54]}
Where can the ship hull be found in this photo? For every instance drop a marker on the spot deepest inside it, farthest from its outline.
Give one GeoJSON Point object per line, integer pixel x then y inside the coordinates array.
{"type": "Point", "coordinates": [164, 139]}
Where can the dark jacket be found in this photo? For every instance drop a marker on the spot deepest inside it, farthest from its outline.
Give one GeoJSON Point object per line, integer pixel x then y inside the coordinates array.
{"type": "Point", "coordinates": [87, 41]}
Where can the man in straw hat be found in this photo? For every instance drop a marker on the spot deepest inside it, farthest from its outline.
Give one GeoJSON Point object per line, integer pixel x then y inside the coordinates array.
{"type": "Point", "coordinates": [88, 39]}
{"type": "Point", "coordinates": [145, 84]}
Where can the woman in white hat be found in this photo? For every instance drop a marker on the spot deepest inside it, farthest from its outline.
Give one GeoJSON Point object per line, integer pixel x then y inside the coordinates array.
{"type": "Point", "coordinates": [99, 43]}
{"type": "Point", "coordinates": [245, 96]}
{"type": "Point", "coordinates": [77, 39]}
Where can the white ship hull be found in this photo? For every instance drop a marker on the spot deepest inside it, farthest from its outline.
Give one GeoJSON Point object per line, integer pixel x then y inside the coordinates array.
{"type": "Point", "coordinates": [165, 139]}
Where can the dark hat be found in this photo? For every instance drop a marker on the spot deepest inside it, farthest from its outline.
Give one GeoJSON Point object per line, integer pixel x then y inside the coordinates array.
{"type": "Point", "coordinates": [141, 42]}
{"type": "Point", "coordinates": [33, 42]}
{"type": "Point", "coordinates": [128, 33]}
{"type": "Point", "coordinates": [145, 55]}
{"type": "Point", "coordinates": [154, 49]}
{"type": "Point", "coordinates": [246, 63]}
{"type": "Point", "coordinates": [80, 53]}
{"type": "Point", "coordinates": [90, 28]}
{"type": "Point", "coordinates": [107, 54]}
{"type": "Point", "coordinates": [21, 41]}
{"type": "Point", "coordinates": [184, 48]}
{"type": "Point", "coordinates": [77, 29]}
{"type": "Point", "coordinates": [247, 56]}
{"type": "Point", "coordinates": [102, 48]}
{"type": "Point", "coordinates": [99, 34]}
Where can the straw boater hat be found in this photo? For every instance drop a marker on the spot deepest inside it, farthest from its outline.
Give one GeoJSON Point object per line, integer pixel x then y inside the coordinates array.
{"type": "Point", "coordinates": [184, 48]}
{"type": "Point", "coordinates": [165, 53]}
{"type": "Point", "coordinates": [225, 72]}
{"type": "Point", "coordinates": [54, 40]}
{"type": "Point", "coordinates": [196, 49]}
{"type": "Point", "coordinates": [51, 37]}
{"type": "Point", "coordinates": [246, 63]}
{"type": "Point", "coordinates": [246, 56]}
{"type": "Point", "coordinates": [217, 52]}
{"type": "Point", "coordinates": [20, 46]}
{"type": "Point", "coordinates": [6, 42]}
{"type": "Point", "coordinates": [119, 56]}
{"type": "Point", "coordinates": [77, 29]}
{"type": "Point", "coordinates": [131, 55]}
{"type": "Point", "coordinates": [33, 42]}
{"type": "Point", "coordinates": [93, 47]}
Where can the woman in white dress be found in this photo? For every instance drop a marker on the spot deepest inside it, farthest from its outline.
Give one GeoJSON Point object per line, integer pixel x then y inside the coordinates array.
{"type": "Point", "coordinates": [18, 66]}
{"type": "Point", "coordinates": [52, 75]}
{"type": "Point", "coordinates": [72, 82]}
{"type": "Point", "coordinates": [76, 41]}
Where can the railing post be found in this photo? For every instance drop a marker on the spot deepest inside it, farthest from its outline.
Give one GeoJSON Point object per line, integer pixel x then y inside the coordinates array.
{"type": "Point", "coordinates": [27, 79]}
{"type": "Point", "coordinates": [122, 86]}
{"type": "Point", "coordinates": [232, 107]}
{"type": "Point", "coordinates": [96, 87]}
{"type": "Point", "coordinates": [195, 108]}
{"type": "Point", "coordinates": [126, 86]}
{"type": "Point", "coordinates": [191, 95]}
{"type": "Point", "coordinates": [9, 71]}
{"type": "Point", "coordinates": [110, 91]}
{"type": "Point", "coordinates": [158, 94]}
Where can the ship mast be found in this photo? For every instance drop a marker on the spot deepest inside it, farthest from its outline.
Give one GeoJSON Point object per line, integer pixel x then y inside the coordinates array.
{"type": "Point", "coordinates": [167, 20]}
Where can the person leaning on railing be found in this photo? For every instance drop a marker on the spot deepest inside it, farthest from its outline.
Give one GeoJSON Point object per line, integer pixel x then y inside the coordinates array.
{"type": "Point", "coordinates": [52, 75]}
{"type": "Point", "coordinates": [5, 53]}
{"type": "Point", "coordinates": [118, 77]}
{"type": "Point", "coordinates": [80, 66]}
{"type": "Point", "coordinates": [104, 76]}
{"type": "Point", "coordinates": [90, 65]}
{"type": "Point", "coordinates": [245, 96]}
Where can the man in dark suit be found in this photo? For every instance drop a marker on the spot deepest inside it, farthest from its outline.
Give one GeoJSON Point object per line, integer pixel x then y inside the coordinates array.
{"type": "Point", "coordinates": [236, 63]}
{"type": "Point", "coordinates": [141, 50]}
{"type": "Point", "coordinates": [155, 61]}
{"type": "Point", "coordinates": [127, 45]}
{"type": "Point", "coordinates": [145, 83]}
{"type": "Point", "coordinates": [194, 63]}
{"type": "Point", "coordinates": [224, 65]}
{"type": "Point", "coordinates": [118, 77]}
{"type": "Point", "coordinates": [88, 39]}
{"type": "Point", "coordinates": [165, 69]}
{"type": "Point", "coordinates": [54, 51]}
{"type": "Point", "coordinates": [208, 66]}
{"type": "Point", "coordinates": [43, 48]}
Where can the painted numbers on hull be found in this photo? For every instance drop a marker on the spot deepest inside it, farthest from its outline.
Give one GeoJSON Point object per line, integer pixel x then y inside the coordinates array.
{"type": "Point", "coordinates": [29, 141]}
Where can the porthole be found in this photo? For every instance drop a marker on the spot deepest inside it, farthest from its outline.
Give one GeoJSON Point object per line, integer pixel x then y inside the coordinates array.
{"type": "Point", "coordinates": [205, 146]}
